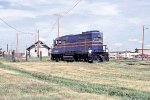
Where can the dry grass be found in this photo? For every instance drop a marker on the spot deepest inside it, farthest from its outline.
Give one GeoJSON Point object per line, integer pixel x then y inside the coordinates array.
{"type": "Point", "coordinates": [113, 73]}
{"type": "Point", "coordinates": [20, 86]}
{"type": "Point", "coordinates": [2, 72]}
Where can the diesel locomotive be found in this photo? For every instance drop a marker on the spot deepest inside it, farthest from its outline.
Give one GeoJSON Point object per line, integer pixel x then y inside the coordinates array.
{"type": "Point", "coordinates": [87, 46]}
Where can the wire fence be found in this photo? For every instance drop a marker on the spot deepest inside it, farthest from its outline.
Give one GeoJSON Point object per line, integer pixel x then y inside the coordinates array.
{"type": "Point", "coordinates": [12, 56]}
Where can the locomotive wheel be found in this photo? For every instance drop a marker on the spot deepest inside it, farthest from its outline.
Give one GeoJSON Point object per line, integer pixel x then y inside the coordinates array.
{"type": "Point", "coordinates": [98, 59]}
{"type": "Point", "coordinates": [102, 59]}
{"type": "Point", "coordinates": [90, 59]}
{"type": "Point", "coordinates": [57, 59]}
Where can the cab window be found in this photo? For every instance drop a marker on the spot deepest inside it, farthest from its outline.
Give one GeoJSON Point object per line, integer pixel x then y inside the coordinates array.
{"type": "Point", "coordinates": [55, 42]}
{"type": "Point", "coordinates": [97, 38]}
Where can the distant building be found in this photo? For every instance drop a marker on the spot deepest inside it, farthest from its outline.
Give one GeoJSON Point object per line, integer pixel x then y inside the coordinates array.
{"type": "Point", "coordinates": [146, 54]}
{"type": "Point", "coordinates": [122, 55]}
{"type": "Point", "coordinates": [33, 49]}
{"type": "Point", "coordinates": [145, 51]}
{"type": "Point", "coordinates": [131, 55]}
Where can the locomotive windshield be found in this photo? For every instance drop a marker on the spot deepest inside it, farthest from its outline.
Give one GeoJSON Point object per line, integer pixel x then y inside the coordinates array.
{"type": "Point", "coordinates": [55, 42]}
{"type": "Point", "coordinates": [98, 37]}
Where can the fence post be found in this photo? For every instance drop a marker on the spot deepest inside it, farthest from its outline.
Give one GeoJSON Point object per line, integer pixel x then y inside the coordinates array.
{"type": "Point", "coordinates": [40, 55]}
{"type": "Point", "coordinates": [13, 56]}
{"type": "Point", "coordinates": [3, 54]}
{"type": "Point", "coordinates": [26, 55]}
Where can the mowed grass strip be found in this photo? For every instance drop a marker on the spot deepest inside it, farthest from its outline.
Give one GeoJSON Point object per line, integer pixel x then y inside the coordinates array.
{"type": "Point", "coordinates": [23, 87]}
{"type": "Point", "coordinates": [85, 87]}
{"type": "Point", "coordinates": [109, 73]}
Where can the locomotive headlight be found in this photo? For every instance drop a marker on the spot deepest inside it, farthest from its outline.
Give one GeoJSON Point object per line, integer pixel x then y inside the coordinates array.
{"type": "Point", "coordinates": [107, 50]}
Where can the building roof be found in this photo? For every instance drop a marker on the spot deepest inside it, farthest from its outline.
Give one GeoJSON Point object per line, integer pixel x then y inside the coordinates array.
{"type": "Point", "coordinates": [121, 52]}
{"type": "Point", "coordinates": [36, 43]}
{"type": "Point", "coordinates": [141, 49]}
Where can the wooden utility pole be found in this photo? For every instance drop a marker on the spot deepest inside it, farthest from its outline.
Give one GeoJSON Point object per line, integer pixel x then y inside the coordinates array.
{"type": "Point", "coordinates": [40, 55]}
{"type": "Point", "coordinates": [17, 44]}
{"type": "Point", "coordinates": [58, 24]}
{"type": "Point", "coordinates": [26, 55]}
{"type": "Point", "coordinates": [35, 36]}
{"type": "Point", "coordinates": [143, 42]}
{"type": "Point", "coordinates": [7, 48]}
{"type": "Point", "coordinates": [38, 44]}
{"type": "Point", "coordinates": [58, 19]}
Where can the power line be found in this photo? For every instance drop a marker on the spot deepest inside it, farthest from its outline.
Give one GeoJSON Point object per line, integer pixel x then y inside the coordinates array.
{"type": "Point", "coordinates": [69, 10]}
{"type": "Point", "coordinates": [59, 15]}
{"type": "Point", "coordinates": [53, 26]}
{"type": "Point", "coordinates": [65, 13]}
{"type": "Point", "coordinates": [11, 26]}
{"type": "Point", "coordinates": [20, 32]}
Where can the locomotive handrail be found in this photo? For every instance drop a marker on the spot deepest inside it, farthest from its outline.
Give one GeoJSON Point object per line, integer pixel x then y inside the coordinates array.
{"type": "Point", "coordinates": [80, 42]}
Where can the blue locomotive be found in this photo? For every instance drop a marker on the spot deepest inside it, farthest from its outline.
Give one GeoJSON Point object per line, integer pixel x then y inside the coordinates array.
{"type": "Point", "coordinates": [87, 46]}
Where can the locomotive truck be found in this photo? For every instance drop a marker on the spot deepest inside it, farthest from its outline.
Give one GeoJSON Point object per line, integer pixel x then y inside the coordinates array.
{"type": "Point", "coordinates": [87, 46]}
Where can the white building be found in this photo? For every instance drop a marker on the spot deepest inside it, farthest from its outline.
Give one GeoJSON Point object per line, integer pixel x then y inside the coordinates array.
{"type": "Point", "coordinates": [35, 49]}
{"type": "Point", "coordinates": [146, 54]}
{"type": "Point", "coordinates": [123, 55]}
{"type": "Point", "coordinates": [145, 51]}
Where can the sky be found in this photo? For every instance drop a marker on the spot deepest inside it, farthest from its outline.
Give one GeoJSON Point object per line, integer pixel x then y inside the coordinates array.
{"type": "Point", "coordinates": [120, 21]}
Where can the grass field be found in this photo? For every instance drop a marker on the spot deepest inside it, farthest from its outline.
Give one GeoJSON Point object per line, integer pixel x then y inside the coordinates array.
{"type": "Point", "coordinates": [114, 80]}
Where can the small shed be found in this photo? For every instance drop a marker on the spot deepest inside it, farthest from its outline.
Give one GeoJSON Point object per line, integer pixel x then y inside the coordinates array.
{"type": "Point", "coordinates": [35, 49]}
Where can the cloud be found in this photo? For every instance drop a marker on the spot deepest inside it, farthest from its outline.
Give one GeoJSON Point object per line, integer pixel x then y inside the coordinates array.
{"type": "Point", "coordinates": [42, 39]}
{"type": "Point", "coordinates": [1, 7]}
{"type": "Point", "coordinates": [148, 45]}
{"type": "Point", "coordinates": [114, 18]}
{"type": "Point", "coordinates": [133, 40]}
{"type": "Point", "coordinates": [118, 44]}
{"type": "Point", "coordinates": [16, 13]}
{"type": "Point", "coordinates": [106, 9]}
{"type": "Point", "coordinates": [135, 20]}
{"type": "Point", "coordinates": [140, 42]}
{"type": "Point", "coordinates": [31, 2]}
{"type": "Point", "coordinates": [26, 2]}
{"type": "Point", "coordinates": [97, 8]}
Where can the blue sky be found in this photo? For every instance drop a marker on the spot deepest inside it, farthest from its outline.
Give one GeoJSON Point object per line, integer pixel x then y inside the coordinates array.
{"type": "Point", "coordinates": [120, 20]}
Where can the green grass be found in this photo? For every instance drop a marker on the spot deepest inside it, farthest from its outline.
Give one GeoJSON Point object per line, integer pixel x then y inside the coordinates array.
{"type": "Point", "coordinates": [23, 59]}
{"type": "Point", "coordinates": [2, 59]}
{"type": "Point", "coordinates": [9, 88]}
{"type": "Point", "coordinates": [27, 91]}
{"type": "Point", "coordinates": [122, 76]}
{"type": "Point", "coordinates": [83, 87]}
{"type": "Point", "coordinates": [40, 98]}
{"type": "Point", "coordinates": [145, 69]}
